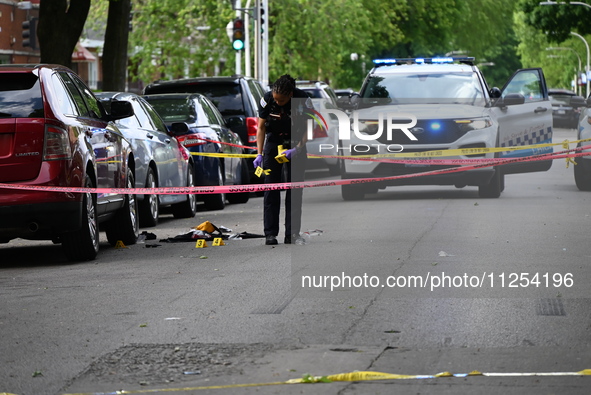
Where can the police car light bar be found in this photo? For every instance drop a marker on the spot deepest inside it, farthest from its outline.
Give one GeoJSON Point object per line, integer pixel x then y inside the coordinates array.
{"type": "Point", "coordinates": [437, 60]}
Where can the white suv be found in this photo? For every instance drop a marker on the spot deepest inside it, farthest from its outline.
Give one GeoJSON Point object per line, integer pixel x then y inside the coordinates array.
{"type": "Point", "coordinates": [454, 109]}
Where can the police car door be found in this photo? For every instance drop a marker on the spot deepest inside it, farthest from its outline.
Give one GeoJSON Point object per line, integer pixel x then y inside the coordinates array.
{"type": "Point", "coordinates": [529, 122]}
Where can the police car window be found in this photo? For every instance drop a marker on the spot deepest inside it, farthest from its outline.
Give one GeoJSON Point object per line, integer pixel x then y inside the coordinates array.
{"type": "Point", "coordinates": [402, 88]}
{"type": "Point", "coordinates": [20, 96]}
{"type": "Point", "coordinates": [526, 83]}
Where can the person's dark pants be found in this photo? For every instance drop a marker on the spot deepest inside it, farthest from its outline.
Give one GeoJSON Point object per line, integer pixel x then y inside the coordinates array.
{"type": "Point", "coordinates": [283, 172]}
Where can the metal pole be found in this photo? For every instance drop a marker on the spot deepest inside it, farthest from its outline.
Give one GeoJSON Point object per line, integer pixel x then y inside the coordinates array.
{"type": "Point", "coordinates": [247, 62]}
{"type": "Point", "coordinates": [265, 46]}
{"type": "Point", "coordinates": [238, 53]}
{"type": "Point", "coordinates": [588, 60]}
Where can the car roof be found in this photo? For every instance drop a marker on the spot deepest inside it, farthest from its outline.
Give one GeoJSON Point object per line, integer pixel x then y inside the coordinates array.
{"type": "Point", "coordinates": [174, 95]}
{"type": "Point", "coordinates": [196, 80]}
{"type": "Point", "coordinates": [29, 67]}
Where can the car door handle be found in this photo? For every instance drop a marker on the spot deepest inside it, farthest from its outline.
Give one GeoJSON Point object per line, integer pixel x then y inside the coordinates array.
{"type": "Point", "coordinates": [540, 109]}
{"type": "Point", "coordinates": [150, 136]}
{"type": "Point", "coordinates": [167, 141]}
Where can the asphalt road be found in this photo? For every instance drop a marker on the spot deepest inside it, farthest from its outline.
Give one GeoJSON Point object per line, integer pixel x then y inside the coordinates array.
{"type": "Point", "coordinates": [437, 280]}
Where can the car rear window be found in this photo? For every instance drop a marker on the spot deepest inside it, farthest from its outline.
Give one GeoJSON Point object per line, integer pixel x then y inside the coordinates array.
{"type": "Point", "coordinates": [227, 97]}
{"type": "Point", "coordinates": [20, 96]}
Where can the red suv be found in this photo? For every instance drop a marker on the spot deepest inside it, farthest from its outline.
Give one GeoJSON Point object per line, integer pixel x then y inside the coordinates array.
{"type": "Point", "coordinates": [55, 133]}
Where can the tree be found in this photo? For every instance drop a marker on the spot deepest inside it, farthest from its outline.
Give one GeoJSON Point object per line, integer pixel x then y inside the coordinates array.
{"type": "Point", "coordinates": [116, 44]}
{"type": "Point", "coordinates": [59, 28]}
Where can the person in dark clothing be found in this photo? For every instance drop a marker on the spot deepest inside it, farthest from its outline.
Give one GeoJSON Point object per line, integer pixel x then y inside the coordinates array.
{"type": "Point", "coordinates": [277, 128]}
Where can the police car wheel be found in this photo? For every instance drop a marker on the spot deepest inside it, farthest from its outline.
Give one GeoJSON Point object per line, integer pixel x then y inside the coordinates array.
{"type": "Point", "coordinates": [582, 177]}
{"type": "Point", "coordinates": [493, 189]}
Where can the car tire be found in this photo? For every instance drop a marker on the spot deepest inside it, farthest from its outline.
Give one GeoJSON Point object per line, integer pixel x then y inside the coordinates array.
{"type": "Point", "coordinates": [150, 206]}
{"type": "Point", "coordinates": [124, 226]}
{"type": "Point", "coordinates": [83, 244]}
{"type": "Point", "coordinates": [352, 192]}
{"type": "Point", "coordinates": [493, 189]}
{"type": "Point", "coordinates": [338, 168]}
{"type": "Point", "coordinates": [241, 197]}
{"type": "Point", "coordinates": [188, 208]}
{"type": "Point", "coordinates": [582, 177]}
{"type": "Point", "coordinates": [216, 201]}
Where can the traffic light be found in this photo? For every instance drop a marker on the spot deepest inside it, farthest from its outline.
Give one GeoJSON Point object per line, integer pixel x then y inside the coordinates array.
{"type": "Point", "coordinates": [29, 33]}
{"type": "Point", "coordinates": [262, 18]}
{"type": "Point", "coordinates": [238, 34]}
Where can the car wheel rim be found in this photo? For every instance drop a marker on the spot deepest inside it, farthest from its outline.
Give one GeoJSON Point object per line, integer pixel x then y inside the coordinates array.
{"type": "Point", "coordinates": [191, 183]}
{"type": "Point", "coordinates": [91, 219]}
{"type": "Point", "coordinates": [132, 207]}
{"type": "Point", "coordinates": [153, 199]}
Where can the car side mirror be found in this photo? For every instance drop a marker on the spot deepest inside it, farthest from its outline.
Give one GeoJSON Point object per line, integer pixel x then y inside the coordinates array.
{"type": "Point", "coordinates": [349, 102]}
{"type": "Point", "coordinates": [578, 101]}
{"type": "Point", "coordinates": [119, 109]}
{"type": "Point", "coordinates": [495, 93]}
{"type": "Point", "coordinates": [511, 99]}
{"type": "Point", "coordinates": [179, 128]}
{"type": "Point", "coordinates": [234, 121]}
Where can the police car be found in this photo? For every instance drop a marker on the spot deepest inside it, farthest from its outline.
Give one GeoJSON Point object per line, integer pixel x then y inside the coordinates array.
{"type": "Point", "coordinates": [442, 104]}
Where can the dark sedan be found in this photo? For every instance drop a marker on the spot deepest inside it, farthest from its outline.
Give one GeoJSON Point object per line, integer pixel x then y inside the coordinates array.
{"type": "Point", "coordinates": [159, 159]}
{"type": "Point", "coordinates": [563, 113]}
{"type": "Point", "coordinates": [206, 132]}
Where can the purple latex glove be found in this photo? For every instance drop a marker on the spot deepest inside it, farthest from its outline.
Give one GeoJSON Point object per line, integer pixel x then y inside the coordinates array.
{"type": "Point", "coordinates": [289, 153]}
{"type": "Point", "coordinates": [258, 161]}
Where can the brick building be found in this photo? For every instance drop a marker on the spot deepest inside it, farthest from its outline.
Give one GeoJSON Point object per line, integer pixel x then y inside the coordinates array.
{"type": "Point", "coordinates": [85, 61]}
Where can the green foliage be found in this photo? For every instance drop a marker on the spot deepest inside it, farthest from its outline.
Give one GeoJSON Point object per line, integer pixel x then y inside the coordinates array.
{"type": "Point", "coordinates": [315, 39]}
{"type": "Point", "coordinates": [541, 27]}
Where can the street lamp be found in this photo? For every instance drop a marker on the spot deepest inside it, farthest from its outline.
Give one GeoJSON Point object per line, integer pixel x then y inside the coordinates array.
{"type": "Point", "coordinates": [578, 57]}
{"type": "Point", "coordinates": [562, 2]}
{"type": "Point", "coordinates": [588, 59]}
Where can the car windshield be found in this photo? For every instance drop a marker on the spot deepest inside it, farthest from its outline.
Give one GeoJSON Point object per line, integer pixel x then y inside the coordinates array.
{"type": "Point", "coordinates": [174, 110]}
{"type": "Point", "coordinates": [424, 88]}
{"type": "Point", "coordinates": [20, 96]}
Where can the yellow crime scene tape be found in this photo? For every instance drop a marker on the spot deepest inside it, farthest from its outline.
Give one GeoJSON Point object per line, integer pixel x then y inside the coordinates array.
{"type": "Point", "coordinates": [421, 154]}
{"type": "Point", "coordinates": [345, 377]}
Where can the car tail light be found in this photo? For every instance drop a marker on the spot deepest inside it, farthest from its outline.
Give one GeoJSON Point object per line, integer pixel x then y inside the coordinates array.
{"type": "Point", "coordinates": [56, 144]}
{"type": "Point", "coordinates": [318, 132]}
{"type": "Point", "coordinates": [192, 140]}
{"type": "Point", "coordinates": [252, 125]}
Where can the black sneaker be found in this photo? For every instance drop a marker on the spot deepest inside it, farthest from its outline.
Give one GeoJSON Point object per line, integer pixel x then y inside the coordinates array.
{"type": "Point", "coordinates": [270, 240]}
{"type": "Point", "coordinates": [287, 240]}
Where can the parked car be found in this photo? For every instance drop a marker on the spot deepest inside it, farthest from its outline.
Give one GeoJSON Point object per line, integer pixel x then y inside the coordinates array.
{"type": "Point", "coordinates": [324, 141]}
{"type": "Point", "coordinates": [453, 108]}
{"type": "Point", "coordinates": [55, 133]}
{"type": "Point", "coordinates": [564, 114]}
{"type": "Point", "coordinates": [159, 160]}
{"type": "Point", "coordinates": [200, 121]}
{"type": "Point", "coordinates": [236, 98]}
{"type": "Point", "coordinates": [582, 169]}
